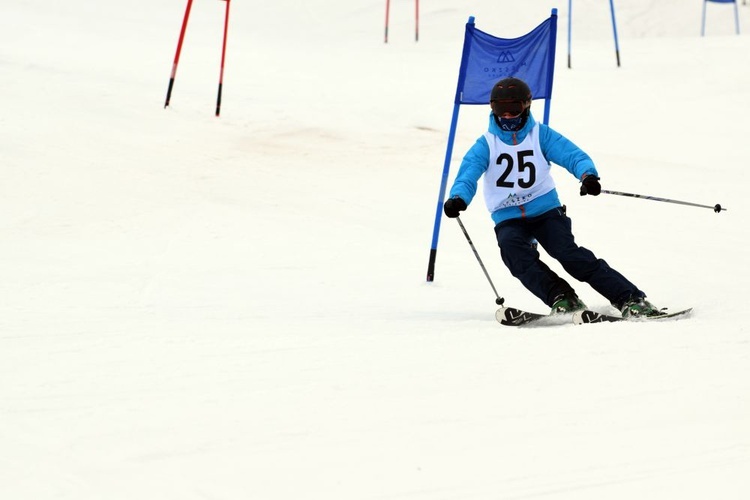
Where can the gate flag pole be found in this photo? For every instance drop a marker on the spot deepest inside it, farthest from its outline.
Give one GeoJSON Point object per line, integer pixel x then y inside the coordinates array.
{"type": "Point", "coordinates": [449, 148]}
{"type": "Point", "coordinates": [177, 54]}
{"type": "Point", "coordinates": [223, 57]}
{"type": "Point", "coordinates": [416, 21]}
{"type": "Point", "coordinates": [736, 15]}
{"type": "Point", "coordinates": [387, 13]}
{"type": "Point", "coordinates": [614, 29]}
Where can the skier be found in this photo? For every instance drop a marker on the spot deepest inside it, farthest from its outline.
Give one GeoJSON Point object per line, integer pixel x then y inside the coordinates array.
{"type": "Point", "coordinates": [514, 156]}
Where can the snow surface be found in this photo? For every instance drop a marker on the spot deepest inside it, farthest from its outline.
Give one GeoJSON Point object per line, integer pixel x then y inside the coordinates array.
{"type": "Point", "coordinates": [235, 308]}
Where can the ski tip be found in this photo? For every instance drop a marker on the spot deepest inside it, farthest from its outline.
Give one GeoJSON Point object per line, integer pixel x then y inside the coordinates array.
{"type": "Point", "coordinates": [500, 315]}
{"type": "Point", "coordinates": [510, 316]}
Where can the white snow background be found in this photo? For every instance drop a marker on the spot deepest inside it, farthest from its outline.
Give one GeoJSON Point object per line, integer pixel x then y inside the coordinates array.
{"type": "Point", "coordinates": [196, 307]}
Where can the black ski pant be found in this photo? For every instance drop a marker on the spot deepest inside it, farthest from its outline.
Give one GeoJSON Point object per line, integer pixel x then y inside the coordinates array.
{"type": "Point", "coordinates": [552, 230]}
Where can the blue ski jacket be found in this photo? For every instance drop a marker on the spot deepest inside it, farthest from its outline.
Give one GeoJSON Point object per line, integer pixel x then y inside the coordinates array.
{"type": "Point", "coordinates": [556, 149]}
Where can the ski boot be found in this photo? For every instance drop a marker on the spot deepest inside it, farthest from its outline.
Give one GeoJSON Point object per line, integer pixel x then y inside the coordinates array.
{"type": "Point", "coordinates": [639, 307]}
{"type": "Point", "coordinates": [567, 303]}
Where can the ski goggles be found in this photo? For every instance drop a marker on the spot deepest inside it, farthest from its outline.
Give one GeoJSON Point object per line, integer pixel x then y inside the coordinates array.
{"type": "Point", "coordinates": [513, 108]}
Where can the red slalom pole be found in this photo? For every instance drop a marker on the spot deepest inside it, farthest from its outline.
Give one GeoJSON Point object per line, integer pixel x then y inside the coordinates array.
{"type": "Point", "coordinates": [416, 21]}
{"type": "Point", "coordinates": [387, 11]}
{"type": "Point", "coordinates": [177, 54]}
{"type": "Point", "coordinates": [223, 57]}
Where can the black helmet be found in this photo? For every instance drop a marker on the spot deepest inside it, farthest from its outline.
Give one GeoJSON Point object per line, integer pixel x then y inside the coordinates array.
{"type": "Point", "coordinates": [510, 89]}
{"type": "Point", "coordinates": [510, 101]}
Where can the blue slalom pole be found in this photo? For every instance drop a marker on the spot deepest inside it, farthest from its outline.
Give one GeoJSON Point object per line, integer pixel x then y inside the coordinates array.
{"type": "Point", "coordinates": [570, 27]}
{"type": "Point", "coordinates": [551, 66]}
{"type": "Point", "coordinates": [441, 195]}
{"type": "Point", "coordinates": [449, 149]}
{"type": "Point", "coordinates": [614, 29]}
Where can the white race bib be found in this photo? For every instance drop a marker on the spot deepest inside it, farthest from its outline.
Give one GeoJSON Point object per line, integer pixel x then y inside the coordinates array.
{"type": "Point", "coordinates": [516, 174]}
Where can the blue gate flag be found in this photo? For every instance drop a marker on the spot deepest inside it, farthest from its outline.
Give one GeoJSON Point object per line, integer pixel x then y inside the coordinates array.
{"type": "Point", "coordinates": [485, 60]}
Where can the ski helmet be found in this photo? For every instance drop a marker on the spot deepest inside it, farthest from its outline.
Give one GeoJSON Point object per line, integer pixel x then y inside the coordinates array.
{"type": "Point", "coordinates": [510, 97]}
{"type": "Point", "coordinates": [510, 89]}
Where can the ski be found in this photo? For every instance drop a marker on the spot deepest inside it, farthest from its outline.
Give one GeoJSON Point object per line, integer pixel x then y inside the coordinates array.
{"type": "Point", "coordinates": [587, 316]}
{"type": "Point", "coordinates": [511, 316]}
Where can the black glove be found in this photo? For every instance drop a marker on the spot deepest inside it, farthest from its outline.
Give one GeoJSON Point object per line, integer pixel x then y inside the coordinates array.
{"type": "Point", "coordinates": [590, 185]}
{"type": "Point", "coordinates": [452, 206]}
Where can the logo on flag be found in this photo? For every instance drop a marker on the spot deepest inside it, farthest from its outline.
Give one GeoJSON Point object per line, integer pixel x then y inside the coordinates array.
{"type": "Point", "coordinates": [505, 57]}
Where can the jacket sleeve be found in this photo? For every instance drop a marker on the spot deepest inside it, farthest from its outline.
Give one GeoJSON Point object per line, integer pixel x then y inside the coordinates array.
{"type": "Point", "coordinates": [562, 151]}
{"type": "Point", "coordinates": [473, 165]}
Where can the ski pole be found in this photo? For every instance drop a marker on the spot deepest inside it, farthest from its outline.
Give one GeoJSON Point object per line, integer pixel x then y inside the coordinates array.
{"type": "Point", "coordinates": [498, 300]}
{"type": "Point", "coordinates": [716, 208]}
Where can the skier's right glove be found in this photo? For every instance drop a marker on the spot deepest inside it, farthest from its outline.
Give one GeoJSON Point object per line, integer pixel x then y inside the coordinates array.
{"type": "Point", "coordinates": [453, 206]}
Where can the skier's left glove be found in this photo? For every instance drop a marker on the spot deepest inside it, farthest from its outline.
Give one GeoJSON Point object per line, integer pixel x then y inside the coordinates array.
{"type": "Point", "coordinates": [590, 185]}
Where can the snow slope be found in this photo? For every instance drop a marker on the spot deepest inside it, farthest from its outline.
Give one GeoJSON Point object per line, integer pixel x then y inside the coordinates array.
{"type": "Point", "coordinates": [197, 307]}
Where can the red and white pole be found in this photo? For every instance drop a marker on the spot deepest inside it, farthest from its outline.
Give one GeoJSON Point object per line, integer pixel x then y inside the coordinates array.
{"type": "Point", "coordinates": [177, 54]}
{"type": "Point", "coordinates": [387, 12]}
{"type": "Point", "coordinates": [223, 58]}
{"type": "Point", "coordinates": [416, 21]}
